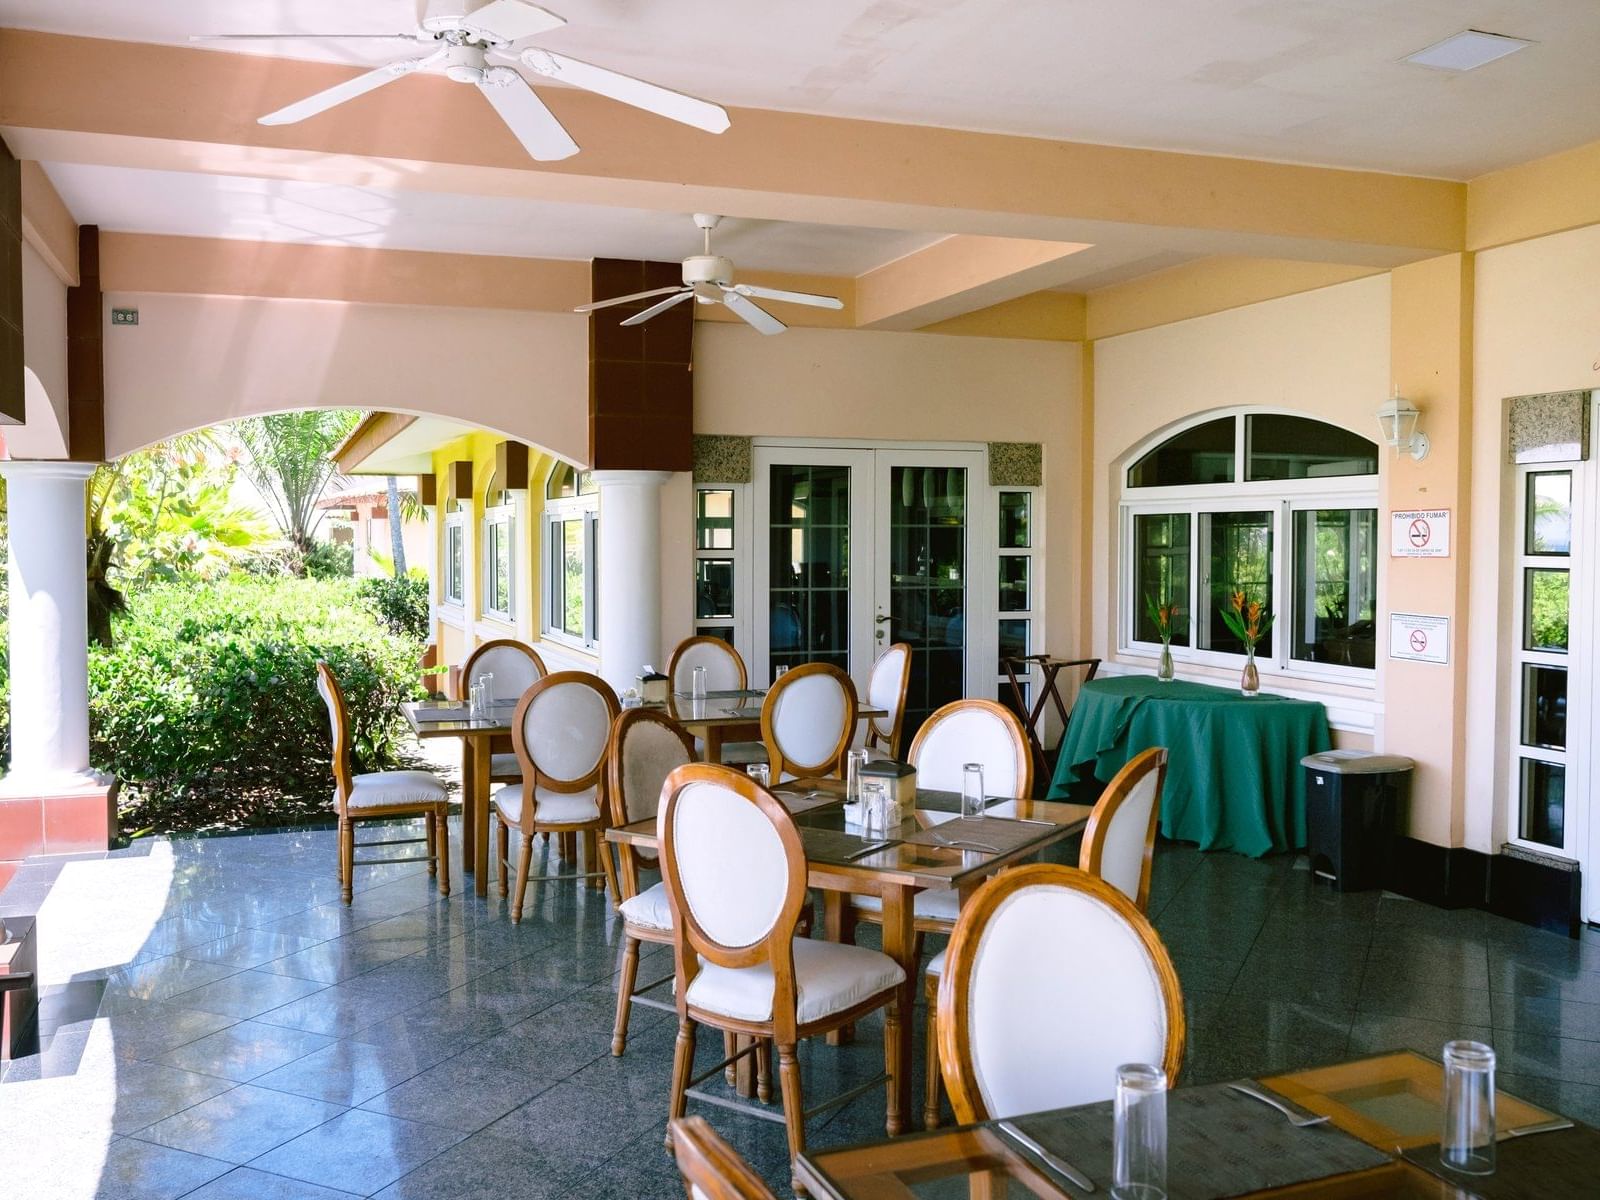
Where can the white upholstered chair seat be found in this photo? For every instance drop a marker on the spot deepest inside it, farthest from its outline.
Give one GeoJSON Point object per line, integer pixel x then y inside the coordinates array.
{"type": "Point", "coordinates": [829, 978]}
{"type": "Point", "coordinates": [505, 766]}
{"type": "Point", "coordinates": [553, 808]}
{"type": "Point", "coordinates": [936, 964]}
{"type": "Point", "coordinates": [649, 909]}
{"type": "Point", "coordinates": [379, 789]}
{"type": "Point", "coordinates": [936, 904]}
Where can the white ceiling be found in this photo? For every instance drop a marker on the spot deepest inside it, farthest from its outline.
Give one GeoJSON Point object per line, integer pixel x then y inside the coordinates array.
{"type": "Point", "coordinates": [1315, 81]}
{"type": "Point", "coordinates": [129, 200]}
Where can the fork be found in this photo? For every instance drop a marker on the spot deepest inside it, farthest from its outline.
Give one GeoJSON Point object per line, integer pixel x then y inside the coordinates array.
{"type": "Point", "coordinates": [1300, 1120]}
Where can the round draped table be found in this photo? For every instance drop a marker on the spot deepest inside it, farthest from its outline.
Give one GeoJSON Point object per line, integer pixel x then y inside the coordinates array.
{"type": "Point", "coordinates": [1234, 780]}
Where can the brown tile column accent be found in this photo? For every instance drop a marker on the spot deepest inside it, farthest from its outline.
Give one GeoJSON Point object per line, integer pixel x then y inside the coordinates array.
{"type": "Point", "coordinates": [11, 363]}
{"type": "Point", "coordinates": [641, 390]}
{"type": "Point", "coordinates": [86, 355]}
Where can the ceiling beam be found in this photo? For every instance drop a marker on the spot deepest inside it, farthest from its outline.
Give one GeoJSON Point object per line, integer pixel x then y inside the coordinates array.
{"type": "Point", "coordinates": [179, 108]}
{"type": "Point", "coordinates": [956, 276]}
{"type": "Point", "coordinates": [48, 224]}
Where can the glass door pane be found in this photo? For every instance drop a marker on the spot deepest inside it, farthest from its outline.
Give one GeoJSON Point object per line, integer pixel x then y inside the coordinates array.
{"type": "Point", "coordinates": [928, 583]}
{"type": "Point", "coordinates": [808, 580]}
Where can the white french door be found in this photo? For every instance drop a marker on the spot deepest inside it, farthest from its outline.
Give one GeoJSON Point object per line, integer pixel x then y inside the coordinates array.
{"type": "Point", "coordinates": [861, 547]}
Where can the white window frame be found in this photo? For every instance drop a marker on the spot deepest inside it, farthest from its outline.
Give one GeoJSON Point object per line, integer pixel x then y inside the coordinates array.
{"type": "Point", "coordinates": [500, 522]}
{"type": "Point", "coordinates": [1280, 497]}
{"type": "Point", "coordinates": [1034, 614]}
{"type": "Point", "coordinates": [454, 522]}
{"type": "Point", "coordinates": [740, 554]}
{"type": "Point", "coordinates": [556, 513]}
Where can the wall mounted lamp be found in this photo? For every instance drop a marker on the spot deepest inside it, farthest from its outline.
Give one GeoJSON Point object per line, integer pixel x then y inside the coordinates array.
{"type": "Point", "coordinates": [1397, 416]}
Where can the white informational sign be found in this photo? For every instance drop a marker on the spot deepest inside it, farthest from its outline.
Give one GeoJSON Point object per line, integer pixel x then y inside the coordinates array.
{"type": "Point", "coordinates": [1419, 638]}
{"type": "Point", "coordinates": [1421, 533]}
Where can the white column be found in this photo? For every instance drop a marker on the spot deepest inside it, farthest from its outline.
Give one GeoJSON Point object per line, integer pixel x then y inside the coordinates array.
{"type": "Point", "coordinates": [629, 582]}
{"type": "Point", "coordinates": [49, 624]}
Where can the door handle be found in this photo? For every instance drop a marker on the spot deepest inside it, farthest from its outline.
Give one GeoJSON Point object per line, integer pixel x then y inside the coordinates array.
{"type": "Point", "coordinates": [881, 618]}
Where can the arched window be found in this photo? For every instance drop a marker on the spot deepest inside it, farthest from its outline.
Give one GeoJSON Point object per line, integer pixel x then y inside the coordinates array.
{"type": "Point", "coordinates": [499, 551]}
{"type": "Point", "coordinates": [1278, 506]}
{"type": "Point", "coordinates": [572, 542]}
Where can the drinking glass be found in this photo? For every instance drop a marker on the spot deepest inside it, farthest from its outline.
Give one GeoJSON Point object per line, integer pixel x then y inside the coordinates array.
{"type": "Point", "coordinates": [777, 673]}
{"type": "Point", "coordinates": [475, 700]}
{"type": "Point", "coordinates": [1466, 1143]}
{"type": "Point", "coordinates": [853, 763]}
{"type": "Point", "coordinates": [1139, 1134]}
{"type": "Point", "coordinates": [972, 790]}
{"type": "Point", "coordinates": [760, 772]}
{"type": "Point", "coordinates": [697, 684]}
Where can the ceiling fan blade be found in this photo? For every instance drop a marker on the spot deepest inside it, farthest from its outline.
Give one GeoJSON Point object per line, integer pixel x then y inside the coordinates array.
{"type": "Point", "coordinates": [535, 125]}
{"type": "Point", "coordinates": [766, 293]}
{"type": "Point", "coordinates": [615, 300]}
{"type": "Point", "coordinates": [754, 315]}
{"type": "Point", "coordinates": [664, 102]}
{"type": "Point", "coordinates": [657, 309]}
{"type": "Point", "coordinates": [348, 90]}
{"type": "Point", "coordinates": [298, 37]}
{"type": "Point", "coordinates": [510, 20]}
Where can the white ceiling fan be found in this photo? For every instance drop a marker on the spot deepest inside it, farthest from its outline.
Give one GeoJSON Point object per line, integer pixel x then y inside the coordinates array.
{"type": "Point", "coordinates": [463, 36]}
{"type": "Point", "coordinates": [708, 279]}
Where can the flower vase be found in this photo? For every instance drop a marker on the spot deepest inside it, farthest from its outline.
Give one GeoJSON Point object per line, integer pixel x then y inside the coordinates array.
{"type": "Point", "coordinates": [1250, 679]}
{"type": "Point", "coordinates": [1164, 670]}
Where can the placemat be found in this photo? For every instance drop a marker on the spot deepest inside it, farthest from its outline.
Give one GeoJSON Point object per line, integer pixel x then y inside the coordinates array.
{"type": "Point", "coordinates": [724, 694]}
{"type": "Point", "coordinates": [1541, 1165]}
{"type": "Point", "coordinates": [834, 845]}
{"type": "Point", "coordinates": [804, 801]}
{"type": "Point", "coordinates": [1002, 833]}
{"type": "Point", "coordinates": [440, 712]}
{"type": "Point", "coordinates": [1219, 1144]}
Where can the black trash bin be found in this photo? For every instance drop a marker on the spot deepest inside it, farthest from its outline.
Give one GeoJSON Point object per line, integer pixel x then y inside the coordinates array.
{"type": "Point", "coordinates": [1354, 803]}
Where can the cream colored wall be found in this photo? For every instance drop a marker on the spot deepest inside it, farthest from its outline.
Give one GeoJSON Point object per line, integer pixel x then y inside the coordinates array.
{"type": "Point", "coordinates": [43, 433]}
{"type": "Point", "coordinates": [1323, 353]}
{"type": "Point", "coordinates": [1537, 329]}
{"type": "Point", "coordinates": [196, 360]}
{"type": "Point", "coordinates": [890, 386]}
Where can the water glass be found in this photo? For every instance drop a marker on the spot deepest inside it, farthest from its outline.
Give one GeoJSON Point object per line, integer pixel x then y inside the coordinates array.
{"type": "Point", "coordinates": [475, 700]}
{"type": "Point", "coordinates": [760, 772]}
{"type": "Point", "coordinates": [972, 790]}
{"type": "Point", "coordinates": [1466, 1143]}
{"type": "Point", "coordinates": [697, 684]}
{"type": "Point", "coordinates": [1139, 1134]}
{"type": "Point", "coordinates": [853, 763]}
{"type": "Point", "coordinates": [777, 673]}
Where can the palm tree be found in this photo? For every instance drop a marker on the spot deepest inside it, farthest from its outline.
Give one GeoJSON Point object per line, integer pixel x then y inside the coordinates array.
{"type": "Point", "coordinates": [397, 533]}
{"type": "Point", "coordinates": [287, 457]}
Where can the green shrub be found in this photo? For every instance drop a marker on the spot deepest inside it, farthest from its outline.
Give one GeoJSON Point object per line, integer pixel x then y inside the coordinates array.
{"type": "Point", "coordinates": [401, 604]}
{"type": "Point", "coordinates": [207, 707]}
{"type": "Point", "coordinates": [329, 560]}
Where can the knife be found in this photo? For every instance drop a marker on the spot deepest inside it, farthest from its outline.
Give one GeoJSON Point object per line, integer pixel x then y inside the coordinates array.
{"type": "Point", "coordinates": [1054, 1161]}
{"type": "Point", "coordinates": [866, 850]}
{"type": "Point", "coordinates": [1541, 1127]}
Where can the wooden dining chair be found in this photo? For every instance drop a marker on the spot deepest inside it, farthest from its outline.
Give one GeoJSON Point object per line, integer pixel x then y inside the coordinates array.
{"type": "Point", "coordinates": [516, 667]}
{"type": "Point", "coordinates": [1047, 938]}
{"type": "Point", "coordinates": [1118, 846]}
{"type": "Point", "coordinates": [381, 796]}
{"type": "Point", "coordinates": [808, 720]}
{"type": "Point", "coordinates": [712, 1169]}
{"type": "Point", "coordinates": [560, 731]}
{"type": "Point", "coordinates": [735, 872]}
{"type": "Point", "coordinates": [886, 689]}
{"type": "Point", "coordinates": [725, 671]}
{"type": "Point", "coordinates": [646, 747]}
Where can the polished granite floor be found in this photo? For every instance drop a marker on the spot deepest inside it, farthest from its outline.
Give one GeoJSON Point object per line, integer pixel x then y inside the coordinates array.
{"type": "Point", "coordinates": [219, 1026]}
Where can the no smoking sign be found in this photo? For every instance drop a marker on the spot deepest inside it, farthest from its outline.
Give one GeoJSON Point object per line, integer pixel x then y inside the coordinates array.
{"type": "Point", "coordinates": [1418, 637]}
{"type": "Point", "coordinates": [1420, 534]}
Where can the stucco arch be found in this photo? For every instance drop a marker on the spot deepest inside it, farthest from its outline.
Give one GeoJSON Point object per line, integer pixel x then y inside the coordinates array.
{"type": "Point", "coordinates": [196, 361]}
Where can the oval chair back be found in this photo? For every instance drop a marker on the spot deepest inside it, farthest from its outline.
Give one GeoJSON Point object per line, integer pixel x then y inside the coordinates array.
{"type": "Point", "coordinates": [1028, 938]}
{"type": "Point", "coordinates": [339, 721]}
{"type": "Point", "coordinates": [735, 872]}
{"type": "Point", "coordinates": [725, 669]}
{"type": "Point", "coordinates": [808, 720]}
{"type": "Point", "coordinates": [646, 747]}
{"type": "Point", "coordinates": [886, 689]}
{"type": "Point", "coordinates": [712, 1169]}
{"type": "Point", "coordinates": [515, 665]}
{"type": "Point", "coordinates": [560, 731]}
{"type": "Point", "coordinates": [980, 731]}
{"type": "Point", "coordinates": [1120, 839]}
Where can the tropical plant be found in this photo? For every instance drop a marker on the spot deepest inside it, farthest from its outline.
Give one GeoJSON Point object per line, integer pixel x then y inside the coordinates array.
{"type": "Point", "coordinates": [400, 603]}
{"type": "Point", "coordinates": [1248, 620]}
{"type": "Point", "coordinates": [1162, 614]}
{"type": "Point", "coordinates": [288, 458]}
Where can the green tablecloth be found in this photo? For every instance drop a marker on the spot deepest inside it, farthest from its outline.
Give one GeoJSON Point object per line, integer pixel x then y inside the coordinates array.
{"type": "Point", "coordinates": [1234, 780]}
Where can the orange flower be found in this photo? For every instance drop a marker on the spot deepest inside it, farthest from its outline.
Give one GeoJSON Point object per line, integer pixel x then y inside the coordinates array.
{"type": "Point", "coordinates": [1238, 601]}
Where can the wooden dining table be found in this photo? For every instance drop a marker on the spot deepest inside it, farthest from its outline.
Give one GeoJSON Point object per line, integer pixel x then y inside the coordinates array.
{"type": "Point", "coordinates": [1384, 1112]}
{"type": "Point", "coordinates": [719, 718]}
{"type": "Point", "coordinates": [842, 861]}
